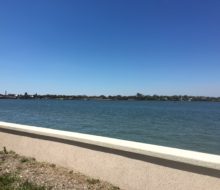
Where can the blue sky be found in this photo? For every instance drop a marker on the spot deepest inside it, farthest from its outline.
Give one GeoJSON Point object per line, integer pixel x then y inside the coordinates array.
{"type": "Point", "coordinates": [110, 47]}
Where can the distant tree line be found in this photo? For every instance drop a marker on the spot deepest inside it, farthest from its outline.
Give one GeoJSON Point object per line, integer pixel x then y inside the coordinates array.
{"type": "Point", "coordinates": [138, 96]}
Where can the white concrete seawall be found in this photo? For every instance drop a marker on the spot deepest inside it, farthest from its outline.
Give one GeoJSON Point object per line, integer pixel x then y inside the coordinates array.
{"type": "Point", "coordinates": [129, 165]}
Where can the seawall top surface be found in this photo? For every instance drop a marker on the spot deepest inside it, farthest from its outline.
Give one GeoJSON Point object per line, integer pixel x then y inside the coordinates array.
{"type": "Point", "coordinates": [173, 154]}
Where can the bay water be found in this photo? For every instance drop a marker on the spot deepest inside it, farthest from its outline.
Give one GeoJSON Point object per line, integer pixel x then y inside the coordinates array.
{"type": "Point", "coordinates": [186, 125]}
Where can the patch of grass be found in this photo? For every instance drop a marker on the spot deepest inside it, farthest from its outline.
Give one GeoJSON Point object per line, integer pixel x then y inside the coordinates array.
{"type": "Point", "coordinates": [7, 181]}
{"type": "Point", "coordinates": [53, 165]}
{"type": "Point", "coordinates": [11, 152]}
{"type": "Point", "coordinates": [93, 181]}
{"type": "Point", "coordinates": [115, 188]}
{"type": "Point", "coordinates": [2, 160]}
{"type": "Point", "coordinates": [24, 159]}
{"type": "Point", "coordinates": [29, 186]}
{"type": "Point", "coordinates": [15, 156]}
{"type": "Point", "coordinates": [11, 182]}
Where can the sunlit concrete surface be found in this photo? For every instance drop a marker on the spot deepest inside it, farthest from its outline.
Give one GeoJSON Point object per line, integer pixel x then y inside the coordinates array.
{"type": "Point", "coordinates": [127, 164]}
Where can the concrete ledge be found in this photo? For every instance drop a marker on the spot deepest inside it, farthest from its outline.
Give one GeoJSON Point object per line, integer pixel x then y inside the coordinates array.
{"type": "Point", "coordinates": [112, 151]}
{"type": "Point", "coordinates": [174, 154]}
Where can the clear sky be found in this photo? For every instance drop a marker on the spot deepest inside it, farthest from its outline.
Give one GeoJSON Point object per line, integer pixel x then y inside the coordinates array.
{"type": "Point", "coordinates": [91, 47]}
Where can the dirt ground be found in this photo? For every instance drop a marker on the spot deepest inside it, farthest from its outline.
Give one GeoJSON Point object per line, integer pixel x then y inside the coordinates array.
{"type": "Point", "coordinates": [18, 171]}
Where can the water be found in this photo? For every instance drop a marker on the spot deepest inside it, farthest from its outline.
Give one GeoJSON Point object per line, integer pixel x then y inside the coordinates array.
{"type": "Point", "coordinates": [186, 125]}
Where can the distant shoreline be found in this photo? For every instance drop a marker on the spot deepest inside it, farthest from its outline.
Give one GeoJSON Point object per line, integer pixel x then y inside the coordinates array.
{"type": "Point", "coordinates": [138, 96]}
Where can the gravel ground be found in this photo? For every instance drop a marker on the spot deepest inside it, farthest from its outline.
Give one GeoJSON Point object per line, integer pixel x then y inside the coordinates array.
{"type": "Point", "coordinates": [45, 175]}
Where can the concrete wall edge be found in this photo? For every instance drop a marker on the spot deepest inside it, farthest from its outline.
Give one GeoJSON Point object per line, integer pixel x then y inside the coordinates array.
{"type": "Point", "coordinates": [173, 154]}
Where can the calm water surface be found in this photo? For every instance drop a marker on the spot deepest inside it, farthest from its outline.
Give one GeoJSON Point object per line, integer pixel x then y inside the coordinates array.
{"type": "Point", "coordinates": [186, 125]}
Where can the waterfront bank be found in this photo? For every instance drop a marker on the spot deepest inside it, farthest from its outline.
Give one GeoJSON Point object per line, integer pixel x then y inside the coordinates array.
{"type": "Point", "coordinates": [127, 164]}
{"type": "Point", "coordinates": [24, 173]}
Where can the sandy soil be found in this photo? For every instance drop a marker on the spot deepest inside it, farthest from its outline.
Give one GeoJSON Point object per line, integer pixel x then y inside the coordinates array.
{"type": "Point", "coordinates": [48, 176]}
